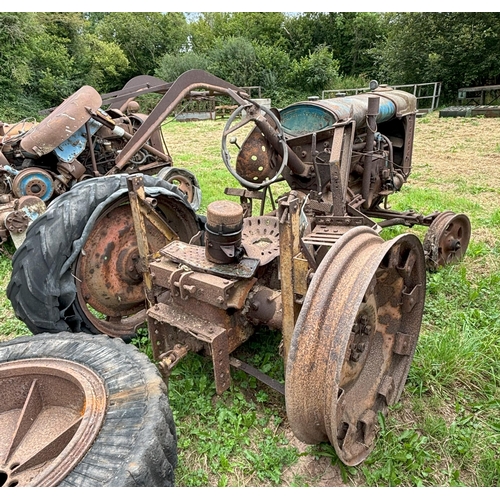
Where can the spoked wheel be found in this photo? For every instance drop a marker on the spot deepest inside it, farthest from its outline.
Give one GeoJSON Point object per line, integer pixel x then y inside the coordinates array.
{"type": "Point", "coordinates": [67, 422]}
{"type": "Point", "coordinates": [354, 340]}
{"type": "Point", "coordinates": [446, 240]}
{"type": "Point", "coordinates": [78, 268]}
{"type": "Point", "coordinates": [69, 417]}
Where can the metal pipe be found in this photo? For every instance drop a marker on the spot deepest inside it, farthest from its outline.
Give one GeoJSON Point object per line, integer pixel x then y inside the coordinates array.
{"type": "Point", "coordinates": [295, 164]}
{"type": "Point", "coordinates": [91, 149]}
{"type": "Point", "coordinates": [371, 128]}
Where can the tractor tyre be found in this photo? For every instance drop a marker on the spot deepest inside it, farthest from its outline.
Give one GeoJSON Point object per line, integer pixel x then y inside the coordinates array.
{"type": "Point", "coordinates": [90, 411]}
{"type": "Point", "coordinates": [43, 289]}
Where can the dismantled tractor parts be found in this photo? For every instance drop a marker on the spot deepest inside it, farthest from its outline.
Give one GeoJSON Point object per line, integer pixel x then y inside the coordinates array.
{"type": "Point", "coordinates": [79, 140]}
{"type": "Point", "coordinates": [76, 141]}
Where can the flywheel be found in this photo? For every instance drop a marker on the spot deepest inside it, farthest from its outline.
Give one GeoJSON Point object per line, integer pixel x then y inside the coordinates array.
{"type": "Point", "coordinates": [354, 340]}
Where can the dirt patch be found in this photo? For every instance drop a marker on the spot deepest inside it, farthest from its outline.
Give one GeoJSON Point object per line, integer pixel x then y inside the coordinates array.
{"type": "Point", "coordinates": [310, 470]}
{"type": "Point", "coordinates": [458, 149]}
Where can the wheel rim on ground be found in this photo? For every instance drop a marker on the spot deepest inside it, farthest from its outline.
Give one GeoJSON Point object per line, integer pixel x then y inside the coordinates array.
{"type": "Point", "coordinates": [354, 340]}
{"type": "Point", "coordinates": [447, 239]}
{"type": "Point", "coordinates": [51, 411]}
{"type": "Point", "coordinates": [185, 181]}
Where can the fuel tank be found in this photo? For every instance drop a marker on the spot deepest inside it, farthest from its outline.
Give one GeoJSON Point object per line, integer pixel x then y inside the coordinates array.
{"type": "Point", "coordinates": [62, 123]}
{"type": "Point", "coordinates": [313, 116]}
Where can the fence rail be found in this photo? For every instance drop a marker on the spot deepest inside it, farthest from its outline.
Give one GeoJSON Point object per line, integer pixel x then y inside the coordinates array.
{"type": "Point", "coordinates": [485, 95]}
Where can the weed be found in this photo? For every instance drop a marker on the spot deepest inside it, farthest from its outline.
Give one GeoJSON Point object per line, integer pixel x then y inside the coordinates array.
{"type": "Point", "coordinates": [141, 341]}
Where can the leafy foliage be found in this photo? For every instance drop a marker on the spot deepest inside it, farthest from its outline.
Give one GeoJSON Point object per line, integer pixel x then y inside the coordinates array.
{"type": "Point", "coordinates": [144, 37]}
{"type": "Point", "coordinates": [46, 56]}
{"type": "Point", "coordinates": [458, 49]}
{"type": "Point", "coordinates": [172, 66]}
{"type": "Point", "coordinates": [233, 60]}
{"type": "Point", "coordinates": [315, 72]}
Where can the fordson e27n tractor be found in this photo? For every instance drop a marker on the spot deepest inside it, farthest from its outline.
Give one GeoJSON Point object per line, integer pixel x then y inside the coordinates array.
{"type": "Point", "coordinates": [119, 251]}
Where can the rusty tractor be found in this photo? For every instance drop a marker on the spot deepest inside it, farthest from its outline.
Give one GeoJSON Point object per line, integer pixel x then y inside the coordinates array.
{"type": "Point", "coordinates": [117, 251]}
{"type": "Point", "coordinates": [79, 140]}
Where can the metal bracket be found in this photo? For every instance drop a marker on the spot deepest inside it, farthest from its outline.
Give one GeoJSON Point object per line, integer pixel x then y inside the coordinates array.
{"type": "Point", "coordinates": [289, 236]}
{"type": "Point", "coordinates": [136, 193]}
{"type": "Point", "coordinates": [205, 333]}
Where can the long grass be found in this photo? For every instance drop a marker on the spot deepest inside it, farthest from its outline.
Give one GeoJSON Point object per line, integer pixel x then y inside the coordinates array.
{"type": "Point", "coordinates": [445, 430]}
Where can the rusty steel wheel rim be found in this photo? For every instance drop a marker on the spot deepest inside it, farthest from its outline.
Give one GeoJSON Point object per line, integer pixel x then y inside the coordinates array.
{"type": "Point", "coordinates": [447, 239]}
{"type": "Point", "coordinates": [184, 184]}
{"type": "Point", "coordinates": [51, 411]}
{"type": "Point", "coordinates": [109, 283]}
{"type": "Point", "coordinates": [354, 340]}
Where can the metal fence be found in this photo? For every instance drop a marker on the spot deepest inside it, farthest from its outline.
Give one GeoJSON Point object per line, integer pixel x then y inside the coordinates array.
{"type": "Point", "coordinates": [480, 96]}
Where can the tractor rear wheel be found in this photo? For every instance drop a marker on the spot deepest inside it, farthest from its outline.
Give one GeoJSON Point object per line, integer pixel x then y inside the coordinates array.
{"type": "Point", "coordinates": [77, 268]}
{"type": "Point", "coordinates": [354, 340]}
{"type": "Point", "coordinates": [82, 411]}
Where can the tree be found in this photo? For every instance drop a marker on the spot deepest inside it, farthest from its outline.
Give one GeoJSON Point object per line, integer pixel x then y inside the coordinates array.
{"type": "Point", "coordinates": [234, 59]}
{"type": "Point", "coordinates": [101, 64]}
{"type": "Point", "coordinates": [66, 56]}
{"type": "Point", "coordinates": [173, 65]}
{"type": "Point", "coordinates": [457, 48]}
{"type": "Point", "coordinates": [16, 39]}
{"type": "Point", "coordinates": [265, 28]}
{"type": "Point", "coordinates": [144, 37]}
{"type": "Point", "coordinates": [315, 72]}
{"type": "Point", "coordinates": [350, 36]}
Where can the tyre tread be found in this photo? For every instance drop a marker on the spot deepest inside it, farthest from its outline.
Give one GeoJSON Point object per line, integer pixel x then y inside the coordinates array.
{"type": "Point", "coordinates": [136, 445]}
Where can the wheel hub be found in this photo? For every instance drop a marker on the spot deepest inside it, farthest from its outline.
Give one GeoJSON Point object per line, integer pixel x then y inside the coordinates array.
{"type": "Point", "coordinates": [33, 182]}
{"type": "Point", "coordinates": [447, 239]}
{"type": "Point", "coordinates": [50, 414]}
{"type": "Point", "coordinates": [127, 265]}
{"type": "Point", "coordinates": [108, 274]}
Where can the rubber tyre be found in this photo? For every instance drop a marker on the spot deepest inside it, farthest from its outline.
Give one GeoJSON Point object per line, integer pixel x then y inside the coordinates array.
{"type": "Point", "coordinates": [137, 444]}
{"type": "Point", "coordinates": [42, 288]}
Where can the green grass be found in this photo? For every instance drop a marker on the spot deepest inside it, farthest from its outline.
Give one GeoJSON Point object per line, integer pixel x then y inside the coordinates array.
{"type": "Point", "coordinates": [445, 430]}
{"type": "Point", "coordinates": [10, 326]}
{"type": "Point", "coordinates": [227, 440]}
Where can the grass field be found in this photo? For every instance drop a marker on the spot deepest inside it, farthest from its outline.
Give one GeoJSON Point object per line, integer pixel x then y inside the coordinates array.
{"type": "Point", "coordinates": [445, 430]}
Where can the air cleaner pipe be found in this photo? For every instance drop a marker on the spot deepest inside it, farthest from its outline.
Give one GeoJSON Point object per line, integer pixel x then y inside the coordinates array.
{"type": "Point", "coordinates": [371, 128]}
{"type": "Point", "coordinates": [296, 165]}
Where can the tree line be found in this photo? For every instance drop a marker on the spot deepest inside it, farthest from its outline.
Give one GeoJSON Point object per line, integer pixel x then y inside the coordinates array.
{"type": "Point", "coordinates": [46, 56]}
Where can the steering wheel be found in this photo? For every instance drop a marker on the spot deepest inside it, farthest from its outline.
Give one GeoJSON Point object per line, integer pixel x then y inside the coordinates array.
{"type": "Point", "coordinates": [257, 171]}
